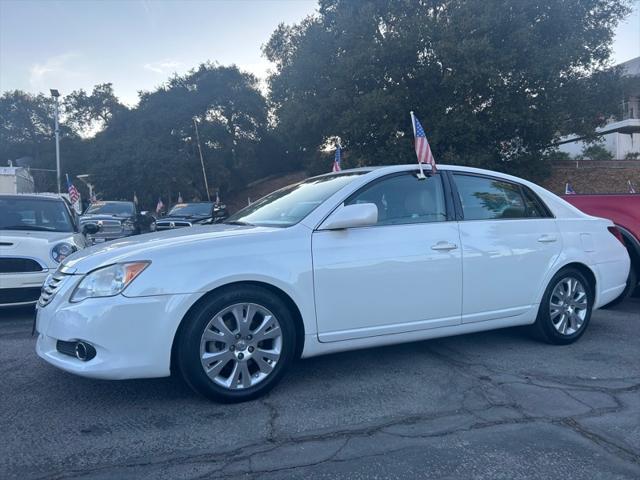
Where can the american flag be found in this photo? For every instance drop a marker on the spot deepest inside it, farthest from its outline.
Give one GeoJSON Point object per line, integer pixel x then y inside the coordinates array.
{"type": "Point", "coordinates": [74, 194]}
{"type": "Point", "coordinates": [568, 189]}
{"type": "Point", "coordinates": [631, 187]}
{"type": "Point", "coordinates": [423, 150]}
{"type": "Point", "coordinates": [337, 159]}
{"type": "Point", "coordinates": [159, 206]}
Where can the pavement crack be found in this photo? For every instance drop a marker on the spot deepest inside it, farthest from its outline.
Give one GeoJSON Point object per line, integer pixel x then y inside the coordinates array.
{"type": "Point", "coordinates": [608, 445]}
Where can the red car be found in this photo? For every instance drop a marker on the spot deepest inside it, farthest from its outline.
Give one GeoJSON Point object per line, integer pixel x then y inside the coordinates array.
{"type": "Point", "coordinates": [624, 211]}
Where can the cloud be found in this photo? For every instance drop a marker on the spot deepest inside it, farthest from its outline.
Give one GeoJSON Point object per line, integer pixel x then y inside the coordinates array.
{"type": "Point", "coordinates": [56, 69]}
{"type": "Point", "coordinates": [163, 66]}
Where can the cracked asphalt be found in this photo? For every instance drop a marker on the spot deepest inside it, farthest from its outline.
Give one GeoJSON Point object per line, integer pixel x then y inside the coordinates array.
{"type": "Point", "coordinates": [489, 405]}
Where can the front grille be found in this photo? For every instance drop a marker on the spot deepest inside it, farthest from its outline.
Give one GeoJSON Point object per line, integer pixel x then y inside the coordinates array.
{"type": "Point", "coordinates": [165, 225]}
{"type": "Point", "coordinates": [19, 265]}
{"type": "Point", "coordinates": [50, 287]}
{"type": "Point", "coordinates": [107, 227]}
{"type": "Point", "coordinates": [18, 295]}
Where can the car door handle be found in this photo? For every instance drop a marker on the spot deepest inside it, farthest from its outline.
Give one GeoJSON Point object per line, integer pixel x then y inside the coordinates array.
{"type": "Point", "coordinates": [444, 246]}
{"type": "Point", "coordinates": [547, 239]}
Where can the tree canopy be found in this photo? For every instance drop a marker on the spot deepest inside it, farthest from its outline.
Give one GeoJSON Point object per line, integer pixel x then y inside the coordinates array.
{"type": "Point", "coordinates": [495, 84]}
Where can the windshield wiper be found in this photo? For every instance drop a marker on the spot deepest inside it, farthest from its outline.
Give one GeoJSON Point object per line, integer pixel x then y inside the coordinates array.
{"type": "Point", "coordinates": [29, 227]}
{"type": "Point", "coordinates": [238, 222]}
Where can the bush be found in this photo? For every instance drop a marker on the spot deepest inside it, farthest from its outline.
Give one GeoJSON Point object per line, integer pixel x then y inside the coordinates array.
{"type": "Point", "coordinates": [596, 152]}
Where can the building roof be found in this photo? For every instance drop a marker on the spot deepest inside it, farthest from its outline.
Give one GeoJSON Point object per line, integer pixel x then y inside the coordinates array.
{"type": "Point", "coordinates": [631, 68]}
{"type": "Point", "coordinates": [12, 170]}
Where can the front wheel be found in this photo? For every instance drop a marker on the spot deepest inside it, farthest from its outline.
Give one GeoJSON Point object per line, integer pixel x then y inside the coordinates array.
{"type": "Point", "coordinates": [565, 309]}
{"type": "Point", "coordinates": [237, 345]}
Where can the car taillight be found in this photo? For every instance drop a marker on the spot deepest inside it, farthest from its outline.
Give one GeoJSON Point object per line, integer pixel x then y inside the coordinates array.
{"type": "Point", "coordinates": [616, 233]}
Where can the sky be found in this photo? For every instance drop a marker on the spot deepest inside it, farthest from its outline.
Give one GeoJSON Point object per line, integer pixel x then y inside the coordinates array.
{"type": "Point", "coordinates": [138, 44]}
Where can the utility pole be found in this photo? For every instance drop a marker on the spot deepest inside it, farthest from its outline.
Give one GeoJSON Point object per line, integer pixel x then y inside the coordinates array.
{"type": "Point", "coordinates": [55, 94]}
{"type": "Point", "coordinates": [204, 173]}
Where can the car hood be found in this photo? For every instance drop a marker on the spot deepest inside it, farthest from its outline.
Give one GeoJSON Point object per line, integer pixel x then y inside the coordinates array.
{"type": "Point", "coordinates": [183, 218]}
{"type": "Point", "coordinates": [19, 238]}
{"type": "Point", "coordinates": [96, 217]}
{"type": "Point", "coordinates": [153, 245]}
{"type": "Point", "coordinates": [21, 243]}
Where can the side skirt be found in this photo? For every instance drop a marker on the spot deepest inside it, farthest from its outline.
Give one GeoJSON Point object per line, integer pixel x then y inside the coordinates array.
{"type": "Point", "coordinates": [313, 347]}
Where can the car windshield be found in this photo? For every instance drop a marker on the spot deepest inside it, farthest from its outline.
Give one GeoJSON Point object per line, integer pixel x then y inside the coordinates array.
{"type": "Point", "coordinates": [34, 214]}
{"type": "Point", "coordinates": [110, 208]}
{"type": "Point", "coordinates": [289, 205]}
{"type": "Point", "coordinates": [195, 209]}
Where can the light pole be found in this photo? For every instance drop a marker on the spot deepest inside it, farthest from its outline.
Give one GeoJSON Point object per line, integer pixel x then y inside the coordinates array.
{"type": "Point", "coordinates": [204, 172]}
{"type": "Point", "coordinates": [56, 94]}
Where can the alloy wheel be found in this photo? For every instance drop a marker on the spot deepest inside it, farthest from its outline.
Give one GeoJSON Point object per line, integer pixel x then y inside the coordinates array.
{"type": "Point", "coordinates": [240, 346]}
{"type": "Point", "coordinates": [568, 305]}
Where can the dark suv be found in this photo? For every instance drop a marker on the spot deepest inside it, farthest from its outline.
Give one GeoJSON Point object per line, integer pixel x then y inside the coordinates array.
{"type": "Point", "coordinates": [189, 214]}
{"type": "Point", "coordinates": [116, 220]}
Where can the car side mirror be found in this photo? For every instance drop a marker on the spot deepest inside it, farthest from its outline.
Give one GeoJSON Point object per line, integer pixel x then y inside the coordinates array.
{"type": "Point", "coordinates": [90, 229]}
{"type": "Point", "coordinates": [349, 216]}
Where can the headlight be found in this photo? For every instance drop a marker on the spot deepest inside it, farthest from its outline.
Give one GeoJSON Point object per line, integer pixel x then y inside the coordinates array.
{"type": "Point", "coordinates": [62, 251]}
{"type": "Point", "coordinates": [108, 281]}
{"type": "Point", "coordinates": [128, 225]}
{"type": "Point", "coordinates": [152, 227]}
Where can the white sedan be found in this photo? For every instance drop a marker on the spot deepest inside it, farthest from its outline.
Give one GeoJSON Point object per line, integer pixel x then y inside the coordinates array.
{"type": "Point", "coordinates": [349, 260]}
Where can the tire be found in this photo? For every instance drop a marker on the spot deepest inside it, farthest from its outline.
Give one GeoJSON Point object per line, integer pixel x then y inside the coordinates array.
{"type": "Point", "coordinates": [245, 337]}
{"type": "Point", "coordinates": [573, 312]}
{"type": "Point", "coordinates": [632, 284]}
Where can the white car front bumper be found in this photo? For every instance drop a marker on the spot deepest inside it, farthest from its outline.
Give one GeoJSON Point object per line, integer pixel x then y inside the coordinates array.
{"type": "Point", "coordinates": [132, 337]}
{"type": "Point", "coordinates": [21, 288]}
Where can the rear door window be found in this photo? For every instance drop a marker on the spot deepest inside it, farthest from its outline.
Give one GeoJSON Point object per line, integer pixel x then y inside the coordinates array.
{"type": "Point", "coordinates": [486, 198]}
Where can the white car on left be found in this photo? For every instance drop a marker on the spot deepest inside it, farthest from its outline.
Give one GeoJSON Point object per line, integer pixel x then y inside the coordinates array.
{"type": "Point", "coordinates": [37, 232]}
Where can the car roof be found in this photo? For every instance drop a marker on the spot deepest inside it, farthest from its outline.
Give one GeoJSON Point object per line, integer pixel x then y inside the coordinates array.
{"type": "Point", "coordinates": [386, 169]}
{"type": "Point", "coordinates": [49, 197]}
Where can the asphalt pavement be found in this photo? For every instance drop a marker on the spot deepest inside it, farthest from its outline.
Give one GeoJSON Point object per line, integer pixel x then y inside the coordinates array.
{"type": "Point", "coordinates": [495, 405]}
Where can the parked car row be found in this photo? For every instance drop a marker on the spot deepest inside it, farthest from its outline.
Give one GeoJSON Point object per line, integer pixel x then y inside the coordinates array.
{"type": "Point", "coordinates": [189, 214]}
{"type": "Point", "coordinates": [38, 231]}
{"type": "Point", "coordinates": [113, 220]}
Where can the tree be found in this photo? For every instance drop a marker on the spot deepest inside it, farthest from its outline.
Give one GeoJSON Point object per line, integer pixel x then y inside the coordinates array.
{"type": "Point", "coordinates": [89, 113]}
{"type": "Point", "coordinates": [494, 83]}
{"type": "Point", "coordinates": [27, 130]}
{"type": "Point", "coordinates": [596, 152]}
{"type": "Point", "coordinates": [26, 125]}
{"type": "Point", "coordinates": [152, 148]}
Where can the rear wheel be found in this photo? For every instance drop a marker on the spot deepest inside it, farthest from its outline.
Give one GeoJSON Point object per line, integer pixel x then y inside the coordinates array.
{"type": "Point", "coordinates": [565, 309]}
{"type": "Point", "coordinates": [237, 345]}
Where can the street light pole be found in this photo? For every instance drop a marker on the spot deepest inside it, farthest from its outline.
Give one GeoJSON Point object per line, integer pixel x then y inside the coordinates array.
{"type": "Point", "coordinates": [204, 172]}
{"type": "Point", "coordinates": [55, 94]}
